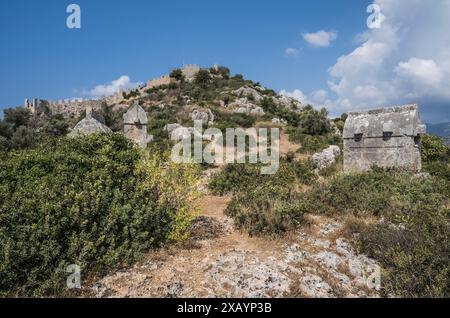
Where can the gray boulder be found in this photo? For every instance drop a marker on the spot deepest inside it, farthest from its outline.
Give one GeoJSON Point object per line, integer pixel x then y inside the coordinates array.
{"type": "Point", "coordinates": [206, 116]}
{"type": "Point", "coordinates": [326, 158]}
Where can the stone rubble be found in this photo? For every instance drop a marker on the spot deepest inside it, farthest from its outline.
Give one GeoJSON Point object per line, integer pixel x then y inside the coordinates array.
{"type": "Point", "coordinates": [326, 158]}
{"type": "Point", "coordinates": [307, 267]}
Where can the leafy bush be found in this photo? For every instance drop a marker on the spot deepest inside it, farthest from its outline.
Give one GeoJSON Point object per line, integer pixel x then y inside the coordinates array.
{"type": "Point", "coordinates": [413, 248]}
{"type": "Point", "coordinates": [439, 169]}
{"type": "Point", "coordinates": [227, 120]}
{"type": "Point", "coordinates": [433, 148]}
{"type": "Point", "coordinates": [312, 144]}
{"type": "Point", "coordinates": [314, 122]}
{"type": "Point", "coordinates": [177, 74]}
{"type": "Point", "coordinates": [374, 192]}
{"type": "Point", "coordinates": [202, 78]}
{"type": "Point", "coordinates": [235, 178]}
{"type": "Point", "coordinates": [266, 209]}
{"type": "Point", "coordinates": [89, 201]}
{"type": "Point", "coordinates": [412, 242]}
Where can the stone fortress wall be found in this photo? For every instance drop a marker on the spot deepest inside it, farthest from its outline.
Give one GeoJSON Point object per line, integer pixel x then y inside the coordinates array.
{"type": "Point", "coordinates": [74, 108]}
{"type": "Point", "coordinates": [163, 80]}
{"type": "Point", "coordinates": [189, 71]}
{"type": "Point", "coordinates": [69, 108]}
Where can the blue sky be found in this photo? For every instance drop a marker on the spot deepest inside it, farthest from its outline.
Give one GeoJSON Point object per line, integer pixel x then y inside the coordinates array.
{"type": "Point", "coordinates": [40, 57]}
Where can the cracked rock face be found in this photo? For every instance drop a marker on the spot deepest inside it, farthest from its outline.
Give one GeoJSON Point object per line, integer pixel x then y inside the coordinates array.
{"type": "Point", "coordinates": [316, 264]}
{"type": "Point", "coordinates": [241, 274]}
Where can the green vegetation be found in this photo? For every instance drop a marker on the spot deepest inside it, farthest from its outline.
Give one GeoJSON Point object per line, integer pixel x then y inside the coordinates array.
{"type": "Point", "coordinates": [19, 129]}
{"type": "Point", "coordinates": [412, 240]}
{"type": "Point", "coordinates": [94, 201]}
{"type": "Point", "coordinates": [311, 128]}
{"type": "Point", "coordinates": [264, 204]}
{"type": "Point", "coordinates": [131, 94]}
{"type": "Point", "coordinates": [177, 74]}
{"type": "Point", "coordinates": [436, 157]}
{"type": "Point", "coordinates": [235, 178]}
{"type": "Point", "coordinates": [434, 148]}
{"type": "Point", "coordinates": [402, 219]}
{"type": "Point", "coordinates": [266, 209]}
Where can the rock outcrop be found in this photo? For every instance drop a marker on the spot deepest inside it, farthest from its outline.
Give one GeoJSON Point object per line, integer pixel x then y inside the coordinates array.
{"type": "Point", "coordinates": [326, 158]}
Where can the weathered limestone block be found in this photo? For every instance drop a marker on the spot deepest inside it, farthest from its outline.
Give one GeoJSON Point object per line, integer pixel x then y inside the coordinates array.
{"type": "Point", "coordinates": [89, 125]}
{"type": "Point", "coordinates": [388, 138]}
{"type": "Point", "coordinates": [135, 125]}
{"type": "Point", "coordinates": [326, 158]}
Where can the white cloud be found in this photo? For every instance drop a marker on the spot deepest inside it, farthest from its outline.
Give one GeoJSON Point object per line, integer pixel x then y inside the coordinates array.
{"type": "Point", "coordinates": [122, 83]}
{"type": "Point", "coordinates": [318, 98]}
{"type": "Point", "coordinates": [406, 60]}
{"type": "Point", "coordinates": [320, 38]}
{"type": "Point", "coordinates": [291, 52]}
{"type": "Point", "coordinates": [426, 72]}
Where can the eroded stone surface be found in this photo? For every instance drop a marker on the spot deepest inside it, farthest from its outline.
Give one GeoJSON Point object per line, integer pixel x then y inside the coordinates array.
{"type": "Point", "coordinates": [388, 138]}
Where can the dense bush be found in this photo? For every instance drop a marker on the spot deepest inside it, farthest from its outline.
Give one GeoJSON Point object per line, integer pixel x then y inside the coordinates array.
{"type": "Point", "coordinates": [202, 78]}
{"type": "Point", "coordinates": [91, 201]}
{"type": "Point", "coordinates": [314, 122]}
{"type": "Point", "coordinates": [177, 74]}
{"type": "Point", "coordinates": [313, 143]}
{"type": "Point", "coordinates": [264, 204]}
{"type": "Point", "coordinates": [439, 169]}
{"type": "Point", "coordinates": [413, 248]}
{"type": "Point", "coordinates": [412, 242]}
{"type": "Point", "coordinates": [19, 129]}
{"type": "Point", "coordinates": [227, 120]}
{"type": "Point", "coordinates": [235, 178]}
{"type": "Point", "coordinates": [434, 148]}
{"type": "Point", "coordinates": [436, 157]}
{"type": "Point", "coordinates": [266, 209]}
{"type": "Point", "coordinates": [375, 193]}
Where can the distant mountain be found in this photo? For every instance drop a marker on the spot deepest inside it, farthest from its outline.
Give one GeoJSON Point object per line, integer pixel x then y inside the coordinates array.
{"type": "Point", "coordinates": [442, 129]}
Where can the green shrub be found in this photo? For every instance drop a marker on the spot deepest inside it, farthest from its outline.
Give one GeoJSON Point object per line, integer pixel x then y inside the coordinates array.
{"type": "Point", "coordinates": [89, 201]}
{"type": "Point", "coordinates": [433, 148]}
{"type": "Point", "coordinates": [266, 209]}
{"type": "Point", "coordinates": [313, 143]}
{"type": "Point", "coordinates": [314, 122]}
{"type": "Point", "coordinates": [374, 192]}
{"type": "Point", "coordinates": [413, 248]}
{"type": "Point", "coordinates": [177, 74]}
{"type": "Point", "coordinates": [227, 120]}
{"type": "Point", "coordinates": [412, 242]}
{"type": "Point", "coordinates": [203, 79]}
{"type": "Point", "coordinates": [235, 178]}
{"type": "Point", "coordinates": [440, 169]}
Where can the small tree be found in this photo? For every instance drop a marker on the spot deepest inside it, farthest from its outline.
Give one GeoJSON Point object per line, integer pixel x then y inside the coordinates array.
{"type": "Point", "coordinates": [203, 78]}
{"type": "Point", "coordinates": [177, 74]}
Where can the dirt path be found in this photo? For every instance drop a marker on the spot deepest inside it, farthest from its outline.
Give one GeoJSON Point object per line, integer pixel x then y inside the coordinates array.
{"type": "Point", "coordinates": [221, 262]}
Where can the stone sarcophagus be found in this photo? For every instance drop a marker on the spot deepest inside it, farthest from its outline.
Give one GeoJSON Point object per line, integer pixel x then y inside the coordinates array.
{"type": "Point", "coordinates": [135, 123]}
{"type": "Point", "coordinates": [388, 138]}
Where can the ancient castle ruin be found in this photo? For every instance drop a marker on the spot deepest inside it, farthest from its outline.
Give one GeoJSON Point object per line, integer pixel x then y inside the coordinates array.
{"type": "Point", "coordinates": [69, 108]}
{"type": "Point", "coordinates": [189, 72]}
{"type": "Point", "coordinates": [163, 80]}
{"type": "Point", "coordinates": [388, 138]}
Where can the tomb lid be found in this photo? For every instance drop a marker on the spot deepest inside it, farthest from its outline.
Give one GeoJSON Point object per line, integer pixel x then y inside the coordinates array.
{"type": "Point", "coordinates": [399, 121]}
{"type": "Point", "coordinates": [135, 115]}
